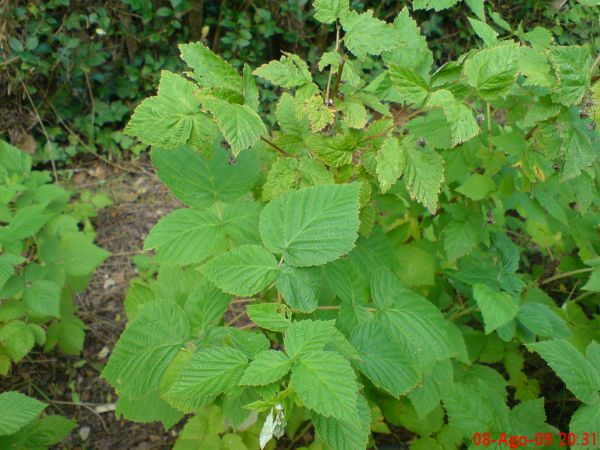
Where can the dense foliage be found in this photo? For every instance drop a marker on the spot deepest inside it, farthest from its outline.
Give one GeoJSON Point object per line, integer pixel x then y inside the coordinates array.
{"type": "Point", "coordinates": [413, 247]}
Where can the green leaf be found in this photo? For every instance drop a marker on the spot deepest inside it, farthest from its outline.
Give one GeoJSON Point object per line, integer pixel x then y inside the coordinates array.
{"type": "Point", "coordinates": [244, 270]}
{"type": "Point", "coordinates": [268, 367]}
{"type": "Point", "coordinates": [147, 408]}
{"type": "Point", "coordinates": [366, 35]}
{"type": "Point", "coordinates": [328, 11]}
{"type": "Point", "coordinates": [312, 226]}
{"type": "Point", "coordinates": [391, 163]}
{"type": "Point", "coordinates": [542, 321]}
{"type": "Point", "coordinates": [326, 384]}
{"type": "Point", "coordinates": [318, 113]}
{"type": "Point", "coordinates": [268, 316]}
{"type": "Point", "coordinates": [78, 255]}
{"type": "Point", "coordinates": [289, 72]}
{"type": "Point", "coordinates": [299, 287]}
{"type": "Point", "coordinates": [477, 187]}
{"type": "Point", "coordinates": [173, 117]}
{"type": "Point", "coordinates": [16, 339]}
{"type": "Point", "coordinates": [289, 173]}
{"type": "Point", "coordinates": [460, 238]}
{"type": "Point", "coordinates": [250, 91]}
{"type": "Point", "coordinates": [42, 298]}
{"type": "Point", "coordinates": [572, 68]}
{"type": "Point", "coordinates": [459, 116]}
{"type": "Point", "coordinates": [344, 435]}
{"type": "Point", "coordinates": [409, 85]}
{"type": "Point", "coordinates": [188, 236]}
{"type": "Point", "coordinates": [593, 284]}
{"type": "Point", "coordinates": [26, 222]}
{"type": "Point", "coordinates": [209, 69]}
{"type": "Point", "coordinates": [240, 125]}
{"type": "Point", "coordinates": [424, 174]}
{"type": "Point", "coordinates": [578, 373]}
{"type": "Point", "coordinates": [16, 411]}
{"type": "Point", "coordinates": [307, 336]}
{"type": "Point", "coordinates": [382, 360]}
{"type": "Point", "coordinates": [493, 71]}
{"type": "Point", "coordinates": [484, 31]}
{"type": "Point", "coordinates": [497, 308]}
{"type": "Point", "coordinates": [205, 307]}
{"type": "Point", "coordinates": [436, 5]}
{"type": "Point", "coordinates": [579, 152]}
{"type": "Point", "coordinates": [146, 347]}
{"type": "Point", "coordinates": [585, 422]}
{"type": "Point", "coordinates": [204, 376]}
{"type": "Point", "coordinates": [199, 182]}
{"type": "Point", "coordinates": [203, 430]}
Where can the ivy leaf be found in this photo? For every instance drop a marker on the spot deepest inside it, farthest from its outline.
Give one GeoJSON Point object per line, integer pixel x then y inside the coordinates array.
{"type": "Point", "coordinates": [199, 182]}
{"type": "Point", "coordinates": [289, 72]}
{"type": "Point", "coordinates": [497, 308]}
{"type": "Point", "coordinates": [312, 226]}
{"type": "Point", "coordinates": [268, 367]}
{"type": "Point", "coordinates": [240, 125]}
{"type": "Point", "coordinates": [210, 70]}
{"type": "Point", "coordinates": [459, 116]}
{"type": "Point", "coordinates": [173, 117]}
{"type": "Point", "coordinates": [493, 71]}
{"type": "Point", "coordinates": [570, 365]}
{"type": "Point", "coordinates": [146, 347]}
{"type": "Point", "coordinates": [326, 384]}
{"type": "Point", "coordinates": [572, 68]}
{"type": "Point", "coordinates": [17, 410]}
{"type": "Point", "coordinates": [299, 287]}
{"type": "Point", "coordinates": [204, 376]}
{"type": "Point", "coordinates": [327, 11]}
{"type": "Point", "coordinates": [409, 85]}
{"type": "Point", "coordinates": [424, 175]}
{"type": "Point", "coordinates": [382, 360]}
{"type": "Point", "coordinates": [268, 316]}
{"type": "Point", "coordinates": [391, 163]}
{"type": "Point", "coordinates": [243, 270]}
{"type": "Point", "coordinates": [366, 35]}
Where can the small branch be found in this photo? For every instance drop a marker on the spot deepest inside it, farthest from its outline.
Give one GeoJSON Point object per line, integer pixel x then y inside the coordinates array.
{"type": "Point", "coordinates": [276, 147]}
{"type": "Point", "coordinates": [566, 275]}
{"type": "Point", "coordinates": [464, 312]}
{"type": "Point", "coordinates": [338, 77]}
{"type": "Point", "coordinates": [337, 47]}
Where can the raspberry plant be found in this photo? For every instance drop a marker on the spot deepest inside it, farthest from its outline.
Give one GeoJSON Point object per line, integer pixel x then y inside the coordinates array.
{"type": "Point", "coordinates": [404, 242]}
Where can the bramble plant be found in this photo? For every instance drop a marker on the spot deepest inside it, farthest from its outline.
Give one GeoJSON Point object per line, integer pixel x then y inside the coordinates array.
{"type": "Point", "coordinates": [403, 247]}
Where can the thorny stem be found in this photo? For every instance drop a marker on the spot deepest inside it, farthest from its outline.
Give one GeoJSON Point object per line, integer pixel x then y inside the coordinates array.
{"type": "Point", "coordinates": [566, 275]}
{"type": "Point", "coordinates": [276, 147]}
{"type": "Point", "coordinates": [338, 77]}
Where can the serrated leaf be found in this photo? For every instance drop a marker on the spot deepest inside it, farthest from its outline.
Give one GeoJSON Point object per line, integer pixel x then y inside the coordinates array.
{"type": "Point", "coordinates": [578, 374]}
{"type": "Point", "coordinates": [42, 298]}
{"type": "Point", "coordinates": [497, 308]}
{"type": "Point", "coordinates": [477, 187]}
{"type": "Point", "coordinates": [268, 316]}
{"type": "Point", "coordinates": [585, 422]}
{"type": "Point", "coordinates": [578, 151]}
{"type": "Point", "coordinates": [240, 125]}
{"type": "Point", "coordinates": [366, 35]}
{"type": "Point", "coordinates": [424, 174]}
{"type": "Point", "coordinates": [572, 68]}
{"type": "Point", "coordinates": [542, 321]}
{"type": "Point", "coordinates": [484, 31]}
{"type": "Point", "coordinates": [436, 5]}
{"type": "Point", "coordinates": [205, 307]}
{"type": "Point", "coordinates": [289, 173]}
{"type": "Point", "coordinates": [460, 238]}
{"type": "Point", "coordinates": [330, 59]}
{"type": "Point", "coordinates": [289, 72]}
{"type": "Point", "coordinates": [146, 347]}
{"type": "Point", "coordinates": [147, 408]}
{"type": "Point", "coordinates": [326, 384]}
{"type": "Point", "coordinates": [409, 85]}
{"type": "Point", "coordinates": [307, 336]}
{"type": "Point", "coordinates": [493, 71]}
{"type": "Point", "coordinates": [204, 376]}
{"type": "Point", "coordinates": [16, 411]}
{"type": "Point", "coordinates": [16, 339]}
{"type": "Point", "coordinates": [459, 116]}
{"type": "Point", "coordinates": [299, 287]}
{"type": "Point", "coordinates": [391, 163]}
{"type": "Point", "coordinates": [328, 11]}
{"type": "Point", "coordinates": [268, 367]}
{"type": "Point", "coordinates": [312, 226]}
{"type": "Point", "coordinates": [210, 70]}
{"type": "Point", "coordinates": [243, 270]}
{"type": "Point", "coordinates": [249, 89]}
{"type": "Point", "coordinates": [199, 182]}
{"type": "Point", "coordinates": [382, 360]}
{"type": "Point", "coordinates": [173, 117]}
{"type": "Point", "coordinates": [318, 113]}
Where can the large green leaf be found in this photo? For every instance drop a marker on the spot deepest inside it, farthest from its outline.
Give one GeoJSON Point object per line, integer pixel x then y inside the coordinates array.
{"type": "Point", "coordinates": [268, 367]}
{"type": "Point", "coordinates": [424, 174]}
{"type": "Point", "coordinates": [312, 226]}
{"type": "Point", "coordinates": [326, 384]}
{"type": "Point", "coordinates": [209, 69]}
{"type": "Point", "coordinates": [75, 252]}
{"type": "Point", "coordinates": [328, 11]}
{"type": "Point", "coordinates": [147, 408]}
{"type": "Point", "coordinates": [308, 336]}
{"type": "Point", "coordinates": [366, 35]}
{"type": "Point", "coordinates": [146, 347]}
{"type": "Point", "coordinates": [572, 68]}
{"type": "Point", "coordinates": [199, 182]}
{"type": "Point", "coordinates": [240, 125]}
{"type": "Point", "coordinates": [205, 306]}
{"type": "Point", "coordinates": [391, 162]}
{"type": "Point", "coordinates": [383, 360]}
{"type": "Point", "coordinates": [173, 117]}
{"type": "Point", "coordinates": [16, 339]}
{"type": "Point", "coordinates": [585, 423]}
{"type": "Point", "coordinates": [16, 411]}
{"type": "Point", "coordinates": [244, 270]}
{"type": "Point", "coordinates": [290, 71]}
{"type": "Point", "coordinates": [497, 308]}
{"type": "Point", "coordinates": [579, 375]}
{"type": "Point", "coordinates": [409, 85]}
{"type": "Point", "coordinates": [208, 373]}
{"type": "Point", "coordinates": [42, 298]}
{"type": "Point", "coordinates": [493, 71]}
{"type": "Point", "coordinates": [299, 287]}
{"type": "Point", "coordinates": [268, 316]}
{"type": "Point", "coordinates": [459, 116]}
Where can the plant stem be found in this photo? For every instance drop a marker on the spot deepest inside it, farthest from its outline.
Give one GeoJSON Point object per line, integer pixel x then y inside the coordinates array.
{"type": "Point", "coordinates": [566, 275]}
{"type": "Point", "coordinates": [276, 147]}
{"type": "Point", "coordinates": [338, 77]}
{"type": "Point", "coordinates": [463, 312]}
{"type": "Point", "coordinates": [299, 436]}
{"type": "Point", "coordinates": [337, 47]}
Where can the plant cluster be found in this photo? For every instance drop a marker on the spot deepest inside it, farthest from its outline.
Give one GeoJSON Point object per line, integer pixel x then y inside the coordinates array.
{"type": "Point", "coordinates": [47, 255]}
{"type": "Point", "coordinates": [413, 248]}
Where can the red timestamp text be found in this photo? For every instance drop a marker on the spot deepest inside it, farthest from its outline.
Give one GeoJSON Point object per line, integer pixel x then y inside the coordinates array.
{"type": "Point", "coordinates": [513, 441]}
